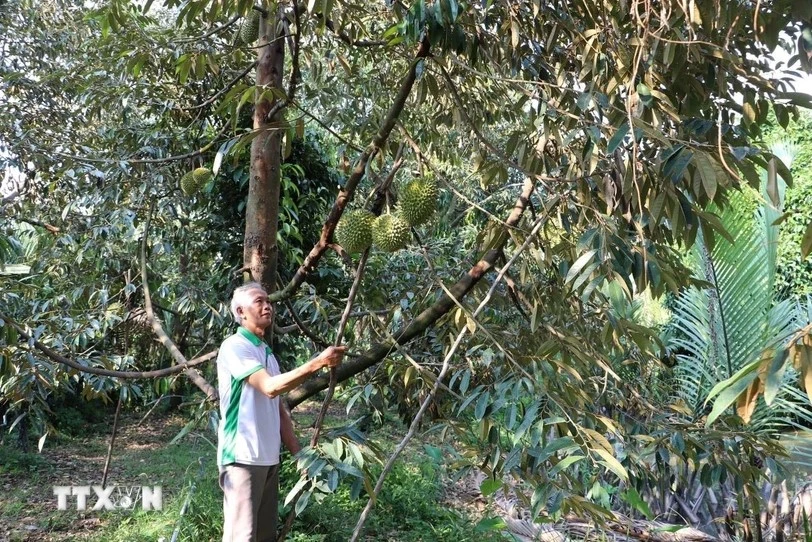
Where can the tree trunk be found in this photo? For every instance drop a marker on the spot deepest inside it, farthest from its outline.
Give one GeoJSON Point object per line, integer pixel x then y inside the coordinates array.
{"type": "Point", "coordinates": [260, 253]}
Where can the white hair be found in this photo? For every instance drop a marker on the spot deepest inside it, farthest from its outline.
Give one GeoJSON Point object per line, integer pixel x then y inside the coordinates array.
{"type": "Point", "coordinates": [242, 299]}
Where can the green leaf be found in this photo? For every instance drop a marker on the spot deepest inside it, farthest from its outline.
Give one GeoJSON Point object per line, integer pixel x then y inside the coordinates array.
{"type": "Point", "coordinates": [772, 183]}
{"type": "Point", "coordinates": [301, 504]}
{"type": "Point", "coordinates": [749, 113]}
{"type": "Point", "coordinates": [565, 463]}
{"type": "Point", "coordinates": [296, 488]}
{"type": "Point", "coordinates": [617, 138]}
{"type": "Point", "coordinates": [489, 486]}
{"type": "Point", "coordinates": [645, 94]}
{"type": "Point", "coordinates": [561, 443]}
{"type": "Point", "coordinates": [183, 432]}
{"type": "Point", "coordinates": [775, 376]}
{"type": "Point", "coordinates": [454, 8]}
{"type": "Point", "coordinates": [482, 405]}
{"type": "Point", "coordinates": [798, 98]}
{"type": "Point", "coordinates": [782, 114]}
{"type": "Point", "coordinates": [674, 167]}
{"type": "Point", "coordinates": [490, 524]}
{"type": "Point", "coordinates": [349, 469]}
{"type": "Point", "coordinates": [584, 101]}
{"type": "Point", "coordinates": [783, 170]}
{"type": "Point", "coordinates": [633, 498]}
{"type": "Point", "coordinates": [433, 452]}
{"type": "Point", "coordinates": [587, 273]}
{"type": "Point", "coordinates": [579, 265]}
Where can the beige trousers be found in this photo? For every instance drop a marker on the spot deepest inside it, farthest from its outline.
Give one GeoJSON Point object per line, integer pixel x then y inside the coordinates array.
{"type": "Point", "coordinates": [250, 502]}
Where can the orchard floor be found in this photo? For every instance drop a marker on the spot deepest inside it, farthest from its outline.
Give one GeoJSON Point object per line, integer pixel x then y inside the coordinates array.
{"type": "Point", "coordinates": [187, 473]}
{"type": "Point", "coordinates": [418, 504]}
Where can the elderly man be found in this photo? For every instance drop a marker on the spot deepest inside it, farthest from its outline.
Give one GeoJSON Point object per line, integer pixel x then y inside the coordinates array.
{"type": "Point", "coordinates": [253, 422]}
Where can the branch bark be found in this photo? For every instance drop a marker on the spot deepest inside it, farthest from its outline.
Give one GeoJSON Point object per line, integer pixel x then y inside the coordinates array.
{"type": "Point", "coordinates": [211, 32]}
{"type": "Point", "coordinates": [226, 88]}
{"type": "Point", "coordinates": [51, 228]}
{"type": "Point", "coordinates": [196, 378]}
{"type": "Point", "coordinates": [58, 358]}
{"type": "Point", "coordinates": [303, 328]}
{"type": "Point", "coordinates": [359, 276]}
{"type": "Point", "coordinates": [425, 319]}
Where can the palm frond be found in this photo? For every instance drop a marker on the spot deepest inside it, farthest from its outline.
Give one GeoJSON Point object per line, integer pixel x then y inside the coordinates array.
{"type": "Point", "coordinates": [733, 323]}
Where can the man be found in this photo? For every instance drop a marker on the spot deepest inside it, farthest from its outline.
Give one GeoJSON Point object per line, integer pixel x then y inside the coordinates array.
{"type": "Point", "coordinates": [253, 422]}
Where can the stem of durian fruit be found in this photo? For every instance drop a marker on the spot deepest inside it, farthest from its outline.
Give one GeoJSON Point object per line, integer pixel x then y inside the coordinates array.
{"type": "Point", "coordinates": [359, 274]}
{"type": "Point", "coordinates": [314, 440]}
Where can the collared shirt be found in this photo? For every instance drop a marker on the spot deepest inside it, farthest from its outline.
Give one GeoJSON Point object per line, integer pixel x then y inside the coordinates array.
{"type": "Point", "coordinates": [248, 432]}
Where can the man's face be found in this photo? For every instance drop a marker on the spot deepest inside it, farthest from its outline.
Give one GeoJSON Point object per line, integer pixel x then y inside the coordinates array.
{"type": "Point", "coordinates": [259, 312]}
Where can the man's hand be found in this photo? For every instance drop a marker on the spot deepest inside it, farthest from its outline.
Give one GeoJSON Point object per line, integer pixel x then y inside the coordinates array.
{"type": "Point", "coordinates": [332, 356]}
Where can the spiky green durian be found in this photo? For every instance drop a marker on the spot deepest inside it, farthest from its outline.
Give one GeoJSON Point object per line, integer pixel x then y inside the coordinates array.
{"type": "Point", "coordinates": [188, 184]}
{"type": "Point", "coordinates": [418, 200]}
{"type": "Point", "coordinates": [390, 233]}
{"type": "Point", "coordinates": [354, 230]}
{"type": "Point", "coordinates": [249, 31]}
{"type": "Point", "coordinates": [201, 176]}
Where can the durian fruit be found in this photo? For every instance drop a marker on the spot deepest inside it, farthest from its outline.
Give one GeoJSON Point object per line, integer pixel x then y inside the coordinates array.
{"type": "Point", "coordinates": [188, 184]}
{"type": "Point", "coordinates": [354, 230]}
{"type": "Point", "coordinates": [418, 200]}
{"type": "Point", "coordinates": [390, 233]}
{"type": "Point", "coordinates": [249, 31]}
{"type": "Point", "coordinates": [202, 176]}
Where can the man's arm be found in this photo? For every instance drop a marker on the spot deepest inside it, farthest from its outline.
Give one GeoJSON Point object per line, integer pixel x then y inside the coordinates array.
{"type": "Point", "coordinates": [286, 429]}
{"type": "Point", "coordinates": [273, 386]}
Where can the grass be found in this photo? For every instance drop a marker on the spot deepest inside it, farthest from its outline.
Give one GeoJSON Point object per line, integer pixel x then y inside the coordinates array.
{"type": "Point", "coordinates": [409, 508]}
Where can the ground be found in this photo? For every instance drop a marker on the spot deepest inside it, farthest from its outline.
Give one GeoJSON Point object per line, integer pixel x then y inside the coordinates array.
{"type": "Point", "coordinates": [28, 501]}
{"type": "Point", "coordinates": [143, 455]}
{"type": "Point", "coordinates": [418, 503]}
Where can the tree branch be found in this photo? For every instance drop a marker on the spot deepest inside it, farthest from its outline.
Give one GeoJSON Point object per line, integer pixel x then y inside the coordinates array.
{"type": "Point", "coordinates": [359, 275]}
{"type": "Point", "coordinates": [517, 297]}
{"type": "Point", "coordinates": [52, 229]}
{"type": "Point", "coordinates": [192, 374]}
{"type": "Point", "coordinates": [303, 328]}
{"type": "Point", "coordinates": [425, 319]}
{"type": "Point", "coordinates": [314, 439]}
{"type": "Point", "coordinates": [284, 330]}
{"type": "Point", "coordinates": [346, 193]}
{"type": "Point", "coordinates": [212, 31]}
{"type": "Point", "coordinates": [226, 88]}
{"type": "Point", "coordinates": [176, 158]}
{"type": "Point", "coordinates": [342, 139]}
{"type": "Point", "coordinates": [383, 188]}
{"type": "Point", "coordinates": [348, 40]}
{"type": "Point", "coordinates": [58, 358]}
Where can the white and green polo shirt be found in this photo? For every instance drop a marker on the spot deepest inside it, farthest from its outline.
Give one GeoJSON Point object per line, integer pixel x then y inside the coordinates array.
{"type": "Point", "coordinates": [249, 420]}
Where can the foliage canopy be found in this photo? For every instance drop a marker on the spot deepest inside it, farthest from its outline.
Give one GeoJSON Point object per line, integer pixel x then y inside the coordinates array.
{"type": "Point", "coordinates": [580, 147]}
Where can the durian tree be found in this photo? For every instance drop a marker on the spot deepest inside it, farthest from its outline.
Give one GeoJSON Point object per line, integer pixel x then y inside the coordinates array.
{"type": "Point", "coordinates": [574, 145]}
